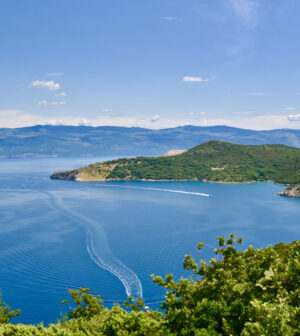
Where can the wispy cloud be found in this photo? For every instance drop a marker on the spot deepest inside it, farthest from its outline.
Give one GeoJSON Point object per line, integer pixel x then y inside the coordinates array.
{"type": "Point", "coordinates": [55, 74]}
{"type": "Point", "coordinates": [194, 79]}
{"type": "Point", "coordinates": [172, 18]}
{"type": "Point", "coordinates": [246, 112]}
{"type": "Point", "coordinates": [155, 118]}
{"type": "Point", "coordinates": [294, 117]}
{"type": "Point", "coordinates": [54, 103]}
{"type": "Point", "coordinates": [61, 94]}
{"type": "Point", "coordinates": [50, 85]}
{"type": "Point", "coordinates": [107, 110]}
{"type": "Point", "coordinates": [195, 114]}
{"type": "Point", "coordinates": [246, 11]}
{"type": "Point", "coordinates": [290, 108]}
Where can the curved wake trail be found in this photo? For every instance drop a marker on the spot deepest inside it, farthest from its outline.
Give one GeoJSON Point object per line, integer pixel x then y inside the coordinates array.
{"type": "Point", "coordinates": [99, 250]}
{"type": "Point", "coordinates": [96, 241]}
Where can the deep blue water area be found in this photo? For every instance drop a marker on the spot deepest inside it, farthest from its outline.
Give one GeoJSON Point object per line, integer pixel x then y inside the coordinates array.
{"type": "Point", "coordinates": [111, 236]}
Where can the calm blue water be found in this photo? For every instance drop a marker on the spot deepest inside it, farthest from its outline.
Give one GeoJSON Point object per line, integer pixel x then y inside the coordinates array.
{"type": "Point", "coordinates": [110, 237]}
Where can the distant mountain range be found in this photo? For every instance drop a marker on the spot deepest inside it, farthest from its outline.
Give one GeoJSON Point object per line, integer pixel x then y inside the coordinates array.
{"type": "Point", "coordinates": [71, 141]}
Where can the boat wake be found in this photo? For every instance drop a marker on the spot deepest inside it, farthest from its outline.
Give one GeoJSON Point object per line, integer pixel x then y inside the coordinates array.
{"type": "Point", "coordinates": [159, 189]}
{"type": "Point", "coordinates": [99, 250]}
{"type": "Point", "coordinates": [175, 191]}
{"type": "Point", "coordinates": [96, 242]}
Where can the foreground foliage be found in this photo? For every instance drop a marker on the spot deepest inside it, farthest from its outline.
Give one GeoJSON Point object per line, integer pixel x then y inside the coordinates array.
{"type": "Point", "coordinates": [254, 292]}
{"type": "Point", "coordinates": [5, 313]}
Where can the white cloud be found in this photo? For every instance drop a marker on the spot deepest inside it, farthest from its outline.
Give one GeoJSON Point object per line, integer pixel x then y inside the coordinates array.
{"type": "Point", "coordinates": [246, 11]}
{"type": "Point", "coordinates": [172, 18]}
{"type": "Point", "coordinates": [71, 121]}
{"type": "Point", "coordinates": [192, 114]}
{"type": "Point", "coordinates": [195, 79]}
{"type": "Point", "coordinates": [18, 118]}
{"type": "Point", "coordinates": [294, 117]}
{"type": "Point", "coordinates": [263, 122]}
{"type": "Point", "coordinates": [290, 108]}
{"type": "Point", "coordinates": [107, 110]}
{"type": "Point", "coordinates": [9, 114]}
{"type": "Point", "coordinates": [55, 74]}
{"type": "Point", "coordinates": [54, 103]}
{"type": "Point", "coordinates": [61, 94]}
{"type": "Point", "coordinates": [50, 85]}
{"type": "Point", "coordinates": [43, 103]}
{"type": "Point", "coordinates": [58, 103]}
{"type": "Point", "coordinates": [155, 118]}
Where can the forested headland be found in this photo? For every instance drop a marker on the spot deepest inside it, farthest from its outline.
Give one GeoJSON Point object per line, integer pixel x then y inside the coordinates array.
{"type": "Point", "coordinates": [215, 161]}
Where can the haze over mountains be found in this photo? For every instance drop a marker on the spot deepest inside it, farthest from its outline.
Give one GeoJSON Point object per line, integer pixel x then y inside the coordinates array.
{"type": "Point", "coordinates": [71, 141]}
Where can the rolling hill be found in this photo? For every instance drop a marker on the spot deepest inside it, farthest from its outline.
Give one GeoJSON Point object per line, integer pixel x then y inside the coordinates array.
{"type": "Point", "coordinates": [211, 161]}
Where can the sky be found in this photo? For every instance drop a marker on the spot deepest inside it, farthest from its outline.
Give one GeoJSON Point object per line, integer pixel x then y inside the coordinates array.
{"type": "Point", "coordinates": [150, 63]}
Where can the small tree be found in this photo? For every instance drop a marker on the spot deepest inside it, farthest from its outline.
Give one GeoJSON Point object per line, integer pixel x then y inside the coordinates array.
{"type": "Point", "coordinates": [135, 305]}
{"type": "Point", "coordinates": [87, 305]}
{"type": "Point", "coordinates": [5, 313]}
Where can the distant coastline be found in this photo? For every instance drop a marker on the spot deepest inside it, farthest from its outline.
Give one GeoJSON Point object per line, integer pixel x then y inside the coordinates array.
{"type": "Point", "coordinates": [78, 179]}
{"type": "Point", "coordinates": [286, 192]}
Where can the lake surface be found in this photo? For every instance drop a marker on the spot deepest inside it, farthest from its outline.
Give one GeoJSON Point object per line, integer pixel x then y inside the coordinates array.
{"type": "Point", "coordinates": [111, 236]}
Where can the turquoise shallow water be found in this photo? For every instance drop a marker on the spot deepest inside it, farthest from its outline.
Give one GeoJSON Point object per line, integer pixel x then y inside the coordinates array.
{"type": "Point", "coordinates": [112, 236]}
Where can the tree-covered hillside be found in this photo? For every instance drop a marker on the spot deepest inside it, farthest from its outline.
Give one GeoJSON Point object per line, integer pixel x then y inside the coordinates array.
{"type": "Point", "coordinates": [254, 292]}
{"type": "Point", "coordinates": [213, 161]}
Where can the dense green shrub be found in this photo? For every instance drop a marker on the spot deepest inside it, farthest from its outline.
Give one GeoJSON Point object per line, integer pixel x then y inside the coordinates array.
{"type": "Point", "coordinates": [254, 292]}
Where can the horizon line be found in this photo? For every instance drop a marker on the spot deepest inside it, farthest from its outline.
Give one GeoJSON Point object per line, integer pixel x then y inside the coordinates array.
{"type": "Point", "coordinates": [153, 129]}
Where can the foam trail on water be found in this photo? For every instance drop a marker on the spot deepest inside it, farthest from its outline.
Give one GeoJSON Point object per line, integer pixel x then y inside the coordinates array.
{"type": "Point", "coordinates": [99, 250]}
{"type": "Point", "coordinates": [166, 190]}
{"type": "Point", "coordinates": [180, 192]}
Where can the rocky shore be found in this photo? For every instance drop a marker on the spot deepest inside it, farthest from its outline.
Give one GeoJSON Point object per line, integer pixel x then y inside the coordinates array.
{"type": "Point", "coordinates": [290, 191]}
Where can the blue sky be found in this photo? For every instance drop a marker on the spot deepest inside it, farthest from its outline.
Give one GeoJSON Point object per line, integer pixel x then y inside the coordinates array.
{"type": "Point", "coordinates": [150, 63]}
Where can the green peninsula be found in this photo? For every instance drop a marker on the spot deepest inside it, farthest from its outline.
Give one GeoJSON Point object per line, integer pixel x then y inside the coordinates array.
{"type": "Point", "coordinates": [215, 161]}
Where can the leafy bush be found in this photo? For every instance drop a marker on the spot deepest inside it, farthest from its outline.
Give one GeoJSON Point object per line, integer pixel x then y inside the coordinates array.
{"type": "Point", "coordinates": [255, 292]}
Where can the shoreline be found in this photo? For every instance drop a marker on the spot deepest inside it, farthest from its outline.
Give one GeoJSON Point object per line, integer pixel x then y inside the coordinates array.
{"type": "Point", "coordinates": [78, 179]}
{"type": "Point", "coordinates": [284, 192]}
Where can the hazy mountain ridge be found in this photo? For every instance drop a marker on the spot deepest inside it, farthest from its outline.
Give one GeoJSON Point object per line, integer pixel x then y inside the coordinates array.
{"type": "Point", "coordinates": [70, 141]}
